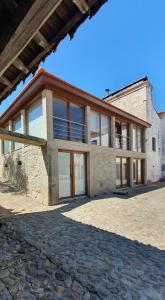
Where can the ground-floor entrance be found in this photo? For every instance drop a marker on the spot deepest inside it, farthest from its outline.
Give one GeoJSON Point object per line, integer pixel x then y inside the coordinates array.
{"type": "Point", "coordinates": [72, 173]}
{"type": "Point", "coordinates": [138, 171]}
{"type": "Point", "coordinates": [122, 172]}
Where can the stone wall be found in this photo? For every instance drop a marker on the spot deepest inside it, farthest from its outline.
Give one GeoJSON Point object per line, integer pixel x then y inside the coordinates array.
{"type": "Point", "coordinates": [103, 170]}
{"type": "Point", "coordinates": [26, 169]}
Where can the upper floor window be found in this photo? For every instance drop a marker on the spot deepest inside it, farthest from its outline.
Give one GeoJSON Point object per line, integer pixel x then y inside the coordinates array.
{"type": "Point", "coordinates": [6, 144]}
{"type": "Point", "coordinates": [17, 127]}
{"type": "Point", "coordinates": [35, 119]}
{"type": "Point", "coordinates": [122, 135]}
{"type": "Point", "coordinates": [99, 128]}
{"type": "Point", "coordinates": [137, 139]}
{"type": "Point", "coordinates": [154, 144]}
{"type": "Point", "coordinates": [68, 121]}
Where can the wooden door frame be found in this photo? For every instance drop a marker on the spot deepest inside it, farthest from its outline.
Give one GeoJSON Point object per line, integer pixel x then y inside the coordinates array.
{"type": "Point", "coordinates": [121, 172]}
{"type": "Point", "coordinates": [72, 175]}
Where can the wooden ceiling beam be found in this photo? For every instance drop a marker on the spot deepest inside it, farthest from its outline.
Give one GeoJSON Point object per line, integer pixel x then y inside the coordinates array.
{"type": "Point", "coordinates": [41, 40]}
{"type": "Point", "coordinates": [82, 5]}
{"type": "Point", "coordinates": [37, 15]}
{"type": "Point", "coordinates": [20, 65]}
{"type": "Point", "coordinates": [6, 82]}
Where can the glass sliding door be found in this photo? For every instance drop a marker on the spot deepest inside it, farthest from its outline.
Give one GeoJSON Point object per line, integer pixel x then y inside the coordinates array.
{"type": "Point", "coordinates": [64, 167]}
{"type": "Point", "coordinates": [122, 172]}
{"type": "Point", "coordinates": [138, 171]}
{"type": "Point", "coordinates": [72, 174]}
{"type": "Point", "coordinates": [118, 172]}
{"type": "Point", "coordinates": [79, 174]}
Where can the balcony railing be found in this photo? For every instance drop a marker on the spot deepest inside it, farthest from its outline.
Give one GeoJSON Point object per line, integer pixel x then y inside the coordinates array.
{"type": "Point", "coordinates": [69, 130]}
{"type": "Point", "coordinates": [122, 142]}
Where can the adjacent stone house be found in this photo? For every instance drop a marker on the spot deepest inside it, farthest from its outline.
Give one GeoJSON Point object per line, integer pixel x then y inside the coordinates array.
{"type": "Point", "coordinates": [136, 98]}
{"type": "Point", "coordinates": [92, 147]}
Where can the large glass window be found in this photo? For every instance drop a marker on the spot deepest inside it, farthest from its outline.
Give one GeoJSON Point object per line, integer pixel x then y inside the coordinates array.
{"type": "Point", "coordinates": [95, 127]}
{"type": "Point", "coordinates": [35, 119]}
{"type": "Point", "coordinates": [137, 139]}
{"type": "Point", "coordinates": [138, 171]}
{"type": "Point", "coordinates": [17, 127]}
{"type": "Point", "coordinates": [104, 130]}
{"type": "Point", "coordinates": [122, 135]}
{"type": "Point", "coordinates": [6, 144]}
{"type": "Point", "coordinates": [68, 121]}
{"type": "Point", "coordinates": [99, 128]}
{"type": "Point", "coordinates": [60, 119]}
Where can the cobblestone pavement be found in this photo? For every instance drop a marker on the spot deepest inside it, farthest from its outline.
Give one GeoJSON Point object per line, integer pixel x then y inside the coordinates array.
{"type": "Point", "coordinates": [77, 250]}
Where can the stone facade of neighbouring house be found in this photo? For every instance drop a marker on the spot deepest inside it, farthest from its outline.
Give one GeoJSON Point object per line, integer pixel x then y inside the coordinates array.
{"type": "Point", "coordinates": [137, 99]}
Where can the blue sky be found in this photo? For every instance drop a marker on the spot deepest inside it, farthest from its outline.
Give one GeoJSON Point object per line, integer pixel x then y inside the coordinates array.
{"type": "Point", "coordinates": [122, 43]}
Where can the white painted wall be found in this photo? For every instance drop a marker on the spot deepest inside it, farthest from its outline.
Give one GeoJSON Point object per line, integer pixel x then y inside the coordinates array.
{"type": "Point", "coordinates": [138, 101]}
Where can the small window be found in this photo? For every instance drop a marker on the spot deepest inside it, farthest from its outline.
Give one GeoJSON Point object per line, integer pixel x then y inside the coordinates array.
{"type": "Point", "coordinates": [153, 144]}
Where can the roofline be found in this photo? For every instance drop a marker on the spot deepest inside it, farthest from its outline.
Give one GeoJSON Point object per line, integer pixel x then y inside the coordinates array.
{"type": "Point", "coordinates": [145, 78]}
{"type": "Point", "coordinates": [44, 80]}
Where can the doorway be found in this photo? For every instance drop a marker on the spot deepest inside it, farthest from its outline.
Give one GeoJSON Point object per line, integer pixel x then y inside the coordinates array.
{"type": "Point", "coordinates": [72, 173]}
{"type": "Point", "coordinates": [138, 173]}
{"type": "Point", "coordinates": [122, 172]}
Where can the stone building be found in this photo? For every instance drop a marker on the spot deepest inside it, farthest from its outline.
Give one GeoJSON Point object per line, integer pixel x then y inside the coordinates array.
{"type": "Point", "coordinates": [137, 99]}
{"type": "Point", "coordinates": [92, 147]}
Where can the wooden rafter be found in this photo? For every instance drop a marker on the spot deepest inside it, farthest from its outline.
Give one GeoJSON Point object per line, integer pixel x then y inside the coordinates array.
{"type": "Point", "coordinates": [82, 5]}
{"type": "Point", "coordinates": [6, 82]}
{"type": "Point", "coordinates": [41, 40]}
{"type": "Point", "coordinates": [35, 18]}
{"type": "Point", "coordinates": [20, 65]}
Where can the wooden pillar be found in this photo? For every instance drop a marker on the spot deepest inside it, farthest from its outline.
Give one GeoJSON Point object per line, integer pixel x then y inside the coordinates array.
{"type": "Point", "coordinates": [113, 143]}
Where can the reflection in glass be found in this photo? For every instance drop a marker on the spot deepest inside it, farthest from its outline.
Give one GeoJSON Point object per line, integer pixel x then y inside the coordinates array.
{"type": "Point", "coordinates": [79, 173]}
{"type": "Point", "coordinates": [64, 174]}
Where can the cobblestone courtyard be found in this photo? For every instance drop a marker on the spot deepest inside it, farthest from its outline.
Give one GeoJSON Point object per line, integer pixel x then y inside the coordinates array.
{"type": "Point", "coordinates": [102, 248]}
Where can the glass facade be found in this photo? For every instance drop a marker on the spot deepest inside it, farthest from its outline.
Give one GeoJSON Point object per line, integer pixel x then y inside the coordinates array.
{"type": "Point", "coordinates": [122, 172]}
{"type": "Point", "coordinates": [35, 120]}
{"type": "Point", "coordinates": [99, 129]}
{"type": "Point", "coordinates": [17, 127]}
{"type": "Point", "coordinates": [68, 121]}
{"type": "Point", "coordinates": [137, 139]}
{"type": "Point", "coordinates": [6, 144]}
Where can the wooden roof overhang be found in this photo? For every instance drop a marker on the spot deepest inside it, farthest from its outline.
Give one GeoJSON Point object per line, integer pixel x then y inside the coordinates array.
{"type": "Point", "coordinates": [43, 80]}
{"type": "Point", "coordinates": [31, 29]}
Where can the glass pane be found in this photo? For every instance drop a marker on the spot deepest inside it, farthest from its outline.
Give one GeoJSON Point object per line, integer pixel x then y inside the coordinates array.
{"type": "Point", "coordinates": [64, 174]}
{"type": "Point", "coordinates": [124, 130]}
{"type": "Point", "coordinates": [139, 140]}
{"type": "Point", "coordinates": [104, 130]}
{"type": "Point", "coordinates": [118, 172]}
{"type": "Point", "coordinates": [60, 120]}
{"type": "Point", "coordinates": [134, 171]}
{"type": "Point", "coordinates": [35, 120]}
{"type": "Point", "coordinates": [17, 128]}
{"type": "Point", "coordinates": [6, 144]}
{"type": "Point", "coordinates": [124, 171]}
{"type": "Point", "coordinates": [79, 173]}
{"type": "Point", "coordinates": [95, 127]}
{"type": "Point", "coordinates": [77, 113]}
{"type": "Point", "coordinates": [134, 139]}
{"type": "Point", "coordinates": [139, 170]}
{"type": "Point", "coordinates": [77, 121]}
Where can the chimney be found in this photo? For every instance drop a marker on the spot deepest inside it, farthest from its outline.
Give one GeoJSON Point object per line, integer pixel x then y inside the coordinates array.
{"type": "Point", "coordinates": [107, 93]}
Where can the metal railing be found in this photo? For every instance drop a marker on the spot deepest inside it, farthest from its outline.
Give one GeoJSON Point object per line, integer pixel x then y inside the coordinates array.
{"type": "Point", "coordinates": [122, 142]}
{"type": "Point", "coordinates": [69, 130]}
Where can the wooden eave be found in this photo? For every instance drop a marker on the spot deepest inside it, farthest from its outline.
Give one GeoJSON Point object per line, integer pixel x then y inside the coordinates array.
{"type": "Point", "coordinates": [43, 80]}
{"type": "Point", "coordinates": [35, 29]}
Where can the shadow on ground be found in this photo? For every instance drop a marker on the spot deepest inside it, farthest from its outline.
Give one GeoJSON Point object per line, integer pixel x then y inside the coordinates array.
{"type": "Point", "coordinates": [56, 257]}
